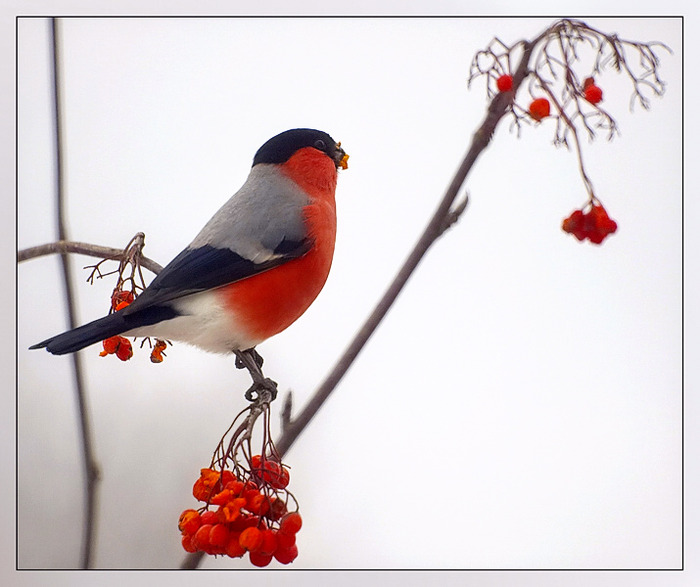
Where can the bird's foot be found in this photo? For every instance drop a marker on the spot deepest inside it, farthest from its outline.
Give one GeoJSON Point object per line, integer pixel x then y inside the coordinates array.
{"type": "Point", "coordinates": [263, 388]}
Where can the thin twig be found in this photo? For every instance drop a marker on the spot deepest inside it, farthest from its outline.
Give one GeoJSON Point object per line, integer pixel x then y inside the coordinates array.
{"type": "Point", "coordinates": [63, 246]}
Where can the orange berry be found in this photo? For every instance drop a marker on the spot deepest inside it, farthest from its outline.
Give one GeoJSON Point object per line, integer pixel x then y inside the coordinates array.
{"type": "Point", "coordinates": [251, 539]}
{"type": "Point", "coordinates": [206, 485]}
{"type": "Point", "coordinates": [539, 108]}
{"type": "Point", "coordinates": [290, 523]}
{"type": "Point", "coordinates": [232, 510]}
{"type": "Point", "coordinates": [504, 83]}
{"type": "Point", "coordinates": [121, 299]}
{"type": "Point", "coordinates": [110, 345]}
{"type": "Point", "coordinates": [259, 559]}
{"type": "Point", "coordinates": [189, 522]}
{"type": "Point", "coordinates": [222, 498]}
{"type": "Point", "coordinates": [286, 555]}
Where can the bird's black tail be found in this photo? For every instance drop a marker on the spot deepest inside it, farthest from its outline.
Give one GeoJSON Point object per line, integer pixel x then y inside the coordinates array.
{"type": "Point", "coordinates": [83, 336]}
{"type": "Point", "coordinates": [116, 323]}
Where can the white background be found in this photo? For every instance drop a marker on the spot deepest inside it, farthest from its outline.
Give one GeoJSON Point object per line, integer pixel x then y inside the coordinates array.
{"type": "Point", "coordinates": [519, 408]}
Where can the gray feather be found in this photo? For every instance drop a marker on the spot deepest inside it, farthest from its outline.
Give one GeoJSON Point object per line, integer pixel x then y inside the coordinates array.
{"type": "Point", "coordinates": [246, 224]}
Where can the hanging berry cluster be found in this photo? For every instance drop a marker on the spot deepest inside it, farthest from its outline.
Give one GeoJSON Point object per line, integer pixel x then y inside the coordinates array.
{"type": "Point", "coordinates": [130, 283]}
{"type": "Point", "coordinates": [593, 224]}
{"type": "Point", "coordinates": [250, 516]}
{"type": "Point", "coordinates": [550, 73]}
{"type": "Point", "coordinates": [247, 507]}
{"type": "Point", "coordinates": [120, 345]}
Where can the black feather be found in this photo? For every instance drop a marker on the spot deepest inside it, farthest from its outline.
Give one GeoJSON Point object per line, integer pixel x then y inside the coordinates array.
{"type": "Point", "coordinates": [111, 325]}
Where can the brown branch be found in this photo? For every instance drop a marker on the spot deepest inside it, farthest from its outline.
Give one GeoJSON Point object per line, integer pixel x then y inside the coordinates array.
{"type": "Point", "coordinates": [90, 250]}
{"type": "Point", "coordinates": [90, 466]}
{"type": "Point", "coordinates": [499, 106]}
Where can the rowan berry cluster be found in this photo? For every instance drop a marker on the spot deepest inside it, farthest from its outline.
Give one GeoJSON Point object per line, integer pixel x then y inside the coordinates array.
{"type": "Point", "coordinates": [594, 224]}
{"type": "Point", "coordinates": [251, 514]}
{"type": "Point", "coordinates": [117, 345]}
{"type": "Point", "coordinates": [121, 346]}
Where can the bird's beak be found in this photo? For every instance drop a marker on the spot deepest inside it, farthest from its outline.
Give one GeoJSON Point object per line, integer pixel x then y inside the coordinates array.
{"type": "Point", "coordinates": [341, 157]}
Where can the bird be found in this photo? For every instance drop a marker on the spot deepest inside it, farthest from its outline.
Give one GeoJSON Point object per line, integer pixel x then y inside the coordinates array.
{"type": "Point", "coordinates": [255, 267]}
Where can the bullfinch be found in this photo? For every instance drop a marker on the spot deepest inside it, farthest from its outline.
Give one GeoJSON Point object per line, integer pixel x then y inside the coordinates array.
{"type": "Point", "coordinates": [254, 268]}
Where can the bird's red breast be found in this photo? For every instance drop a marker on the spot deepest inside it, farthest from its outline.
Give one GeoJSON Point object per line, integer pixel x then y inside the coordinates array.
{"type": "Point", "coordinates": [269, 302]}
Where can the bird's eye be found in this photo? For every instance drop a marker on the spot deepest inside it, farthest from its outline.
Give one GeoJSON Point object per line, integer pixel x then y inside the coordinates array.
{"type": "Point", "coordinates": [320, 145]}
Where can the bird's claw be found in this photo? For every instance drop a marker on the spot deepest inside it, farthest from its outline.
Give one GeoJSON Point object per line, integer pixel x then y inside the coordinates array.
{"type": "Point", "coordinates": [255, 392]}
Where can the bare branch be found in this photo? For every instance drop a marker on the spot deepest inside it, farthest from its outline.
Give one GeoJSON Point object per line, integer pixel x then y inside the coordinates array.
{"type": "Point", "coordinates": [80, 248]}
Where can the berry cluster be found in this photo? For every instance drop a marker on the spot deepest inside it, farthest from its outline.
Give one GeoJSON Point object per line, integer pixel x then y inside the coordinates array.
{"type": "Point", "coordinates": [250, 515]}
{"type": "Point", "coordinates": [117, 345]}
{"type": "Point", "coordinates": [594, 225]}
{"type": "Point", "coordinates": [120, 346]}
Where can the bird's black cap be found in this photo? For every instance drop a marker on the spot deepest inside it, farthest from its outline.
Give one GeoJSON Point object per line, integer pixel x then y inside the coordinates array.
{"type": "Point", "coordinates": [282, 146]}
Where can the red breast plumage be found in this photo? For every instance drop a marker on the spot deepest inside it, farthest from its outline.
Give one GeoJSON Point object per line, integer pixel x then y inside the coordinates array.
{"type": "Point", "coordinates": [267, 303]}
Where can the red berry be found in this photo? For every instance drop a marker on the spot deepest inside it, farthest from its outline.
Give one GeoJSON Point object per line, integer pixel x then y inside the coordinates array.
{"type": "Point", "coordinates": [271, 470]}
{"type": "Point", "coordinates": [209, 517]}
{"type": "Point", "coordinates": [593, 94]}
{"type": "Point", "coordinates": [188, 543]}
{"type": "Point", "coordinates": [219, 535]}
{"type": "Point", "coordinates": [539, 108]}
{"type": "Point", "coordinates": [258, 504]}
{"type": "Point", "coordinates": [269, 543]}
{"type": "Point", "coordinates": [233, 546]}
{"type": "Point", "coordinates": [227, 477]}
{"type": "Point", "coordinates": [259, 559]}
{"type": "Point", "coordinates": [504, 83]}
{"type": "Point", "coordinates": [286, 540]}
{"type": "Point", "coordinates": [589, 81]}
{"type": "Point", "coordinates": [124, 351]}
{"type": "Point", "coordinates": [286, 555]}
{"type": "Point", "coordinates": [251, 539]}
{"type": "Point", "coordinates": [574, 225]}
{"type": "Point", "coordinates": [201, 537]}
{"type": "Point", "coordinates": [291, 523]}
